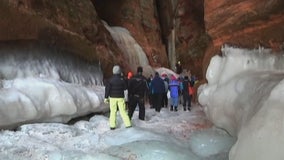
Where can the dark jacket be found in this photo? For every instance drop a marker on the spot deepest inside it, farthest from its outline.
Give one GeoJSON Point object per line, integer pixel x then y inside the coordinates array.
{"type": "Point", "coordinates": [138, 85]}
{"type": "Point", "coordinates": [158, 85]}
{"type": "Point", "coordinates": [115, 87]}
{"type": "Point", "coordinates": [185, 84]}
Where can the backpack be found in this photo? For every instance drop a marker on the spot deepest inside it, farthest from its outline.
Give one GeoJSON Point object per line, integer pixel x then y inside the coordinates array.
{"type": "Point", "coordinates": [166, 86]}
{"type": "Point", "coordinates": [190, 90]}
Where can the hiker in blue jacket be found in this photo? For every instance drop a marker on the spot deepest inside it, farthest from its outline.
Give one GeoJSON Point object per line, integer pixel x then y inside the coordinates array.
{"type": "Point", "coordinates": [158, 89]}
{"type": "Point", "coordinates": [174, 87]}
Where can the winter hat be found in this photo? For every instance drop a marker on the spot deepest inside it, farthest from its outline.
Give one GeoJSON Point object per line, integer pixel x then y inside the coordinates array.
{"type": "Point", "coordinates": [173, 77]}
{"type": "Point", "coordinates": [164, 75]}
{"type": "Point", "coordinates": [129, 75]}
{"type": "Point", "coordinates": [139, 69]}
{"type": "Point", "coordinates": [116, 69]}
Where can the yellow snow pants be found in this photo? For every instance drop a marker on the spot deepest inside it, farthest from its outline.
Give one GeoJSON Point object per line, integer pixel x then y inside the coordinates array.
{"type": "Point", "coordinates": [120, 103]}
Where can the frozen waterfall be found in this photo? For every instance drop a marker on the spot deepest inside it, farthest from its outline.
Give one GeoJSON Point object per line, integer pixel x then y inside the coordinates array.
{"type": "Point", "coordinates": [133, 53]}
{"type": "Point", "coordinates": [48, 83]}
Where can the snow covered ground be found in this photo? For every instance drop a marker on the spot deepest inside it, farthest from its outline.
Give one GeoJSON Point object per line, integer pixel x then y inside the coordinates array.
{"type": "Point", "coordinates": [162, 136]}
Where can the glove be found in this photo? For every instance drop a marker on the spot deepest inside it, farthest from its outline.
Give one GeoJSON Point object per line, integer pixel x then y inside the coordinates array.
{"type": "Point", "coordinates": [106, 100]}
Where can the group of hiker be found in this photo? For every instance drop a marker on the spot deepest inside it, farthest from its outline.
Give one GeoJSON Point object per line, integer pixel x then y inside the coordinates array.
{"type": "Point", "coordinates": [179, 90]}
{"type": "Point", "coordinates": [126, 93]}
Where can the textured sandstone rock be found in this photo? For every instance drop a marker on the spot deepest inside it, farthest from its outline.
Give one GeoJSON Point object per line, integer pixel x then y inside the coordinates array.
{"type": "Point", "coordinates": [67, 24]}
{"type": "Point", "coordinates": [244, 23]}
{"type": "Point", "coordinates": [201, 26]}
{"type": "Point", "coordinates": [151, 23]}
{"type": "Point", "coordinates": [140, 18]}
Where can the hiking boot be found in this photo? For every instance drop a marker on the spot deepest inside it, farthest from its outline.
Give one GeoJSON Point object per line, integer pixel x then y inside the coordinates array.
{"type": "Point", "coordinates": [176, 109]}
{"type": "Point", "coordinates": [172, 108]}
{"type": "Point", "coordinates": [112, 128]}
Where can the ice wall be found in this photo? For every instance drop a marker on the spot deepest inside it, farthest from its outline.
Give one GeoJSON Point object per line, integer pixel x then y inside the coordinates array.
{"type": "Point", "coordinates": [33, 59]}
{"type": "Point", "coordinates": [244, 95]}
{"type": "Point", "coordinates": [44, 84]}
